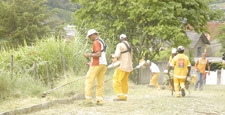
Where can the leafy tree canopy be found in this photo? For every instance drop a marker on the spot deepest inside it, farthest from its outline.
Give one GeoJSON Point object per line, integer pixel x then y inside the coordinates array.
{"type": "Point", "coordinates": [23, 20]}
{"type": "Point", "coordinates": [220, 36]}
{"type": "Point", "coordinates": [148, 23]}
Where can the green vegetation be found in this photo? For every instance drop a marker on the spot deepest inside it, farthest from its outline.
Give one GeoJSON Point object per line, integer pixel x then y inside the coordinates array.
{"type": "Point", "coordinates": [23, 20]}
{"type": "Point", "coordinates": [64, 8]}
{"type": "Point", "coordinates": [221, 36]}
{"type": "Point", "coordinates": [41, 61]}
{"type": "Point", "coordinates": [49, 50]}
{"type": "Point", "coordinates": [148, 23]}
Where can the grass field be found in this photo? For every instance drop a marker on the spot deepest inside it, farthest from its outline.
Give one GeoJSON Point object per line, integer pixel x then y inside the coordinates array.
{"type": "Point", "coordinates": [144, 100]}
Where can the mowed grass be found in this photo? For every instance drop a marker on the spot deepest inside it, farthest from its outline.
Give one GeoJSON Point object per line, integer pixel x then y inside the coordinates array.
{"type": "Point", "coordinates": [144, 100]}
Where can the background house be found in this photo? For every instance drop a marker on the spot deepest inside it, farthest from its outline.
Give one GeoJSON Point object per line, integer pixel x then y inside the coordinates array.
{"type": "Point", "coordinates": [198, 44]}
{"type": "Point", "coordinates": [215, 46]}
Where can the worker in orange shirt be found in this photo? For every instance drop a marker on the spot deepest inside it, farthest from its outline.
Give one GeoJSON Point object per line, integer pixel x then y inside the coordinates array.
{"type": "Point", "coordinates": [182, 67]}
{"type": "Point", "coordinates": [97, 67]}
{"type": "Point", "coordinates": [200, 67]}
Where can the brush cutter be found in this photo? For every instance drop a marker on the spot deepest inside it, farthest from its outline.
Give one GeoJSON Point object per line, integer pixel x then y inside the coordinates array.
{"type": "Point", "coordinates": [44, 94]}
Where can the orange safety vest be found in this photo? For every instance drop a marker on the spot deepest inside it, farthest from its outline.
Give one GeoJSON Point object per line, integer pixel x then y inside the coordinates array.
{"type": "Point", "coordinates": [202, 65]}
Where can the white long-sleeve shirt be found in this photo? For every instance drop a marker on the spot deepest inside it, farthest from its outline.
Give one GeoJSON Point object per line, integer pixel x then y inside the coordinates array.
{"type": "Point", "coordinates": [154, 68]}
{"type": "Point", "coordinates": [124, 58]}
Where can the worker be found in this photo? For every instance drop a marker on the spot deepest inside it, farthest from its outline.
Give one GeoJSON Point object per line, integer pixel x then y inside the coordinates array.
{"type": "Point", "coordinates": [200, 67]}
{"type": "Point", "coordinates": [120, 78]}
{"type": "Point", "coordinates": [97, 67]}
{"type": "Point", "coordinates": [155, 72]}
{"type": "Point", "coordinates": [174, 53]}
{"type": "Point", "coordinates": [182, 67]}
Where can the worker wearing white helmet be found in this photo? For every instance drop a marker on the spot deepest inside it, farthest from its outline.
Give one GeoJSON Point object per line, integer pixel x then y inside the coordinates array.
{"type": "Point", "coordinates": [120, 77]}
{"type": "Point", "coordinates": [97, 67]}
{"type": "Point", "coordinates": [174, 53]}
{"type": "Point", "coordinates": [155, 72]}
{"type": "Point", "coordinates": [182, 66]}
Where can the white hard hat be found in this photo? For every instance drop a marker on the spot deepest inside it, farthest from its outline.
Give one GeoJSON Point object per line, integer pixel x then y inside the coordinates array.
{"type": "Point", "coordinates": [91, 31]}
{"type": "Point", "coordinates": [148, 61]}
{"type": "Point", "coordinates": [180, 48]}
{"type": "Point", "coordinates": [122, 36]}
{"type": "Point", "coordinates": [174, 50]}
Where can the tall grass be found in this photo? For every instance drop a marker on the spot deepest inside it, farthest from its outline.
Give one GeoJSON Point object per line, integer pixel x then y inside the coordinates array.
{"type": "Point", "coordinates": [48, 50]}
{"type": "Point", "coordinates": [51, 50]}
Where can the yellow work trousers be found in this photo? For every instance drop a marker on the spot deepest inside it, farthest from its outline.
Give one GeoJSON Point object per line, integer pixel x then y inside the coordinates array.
{"type": "Point", "coordinates": [120, 83]}
{"type": "Point", "coordinates": [99, 73]}
{"type": "Point", "coordinates": [178, 83]}
{"type": "Point", "coordinates": [154, 80]}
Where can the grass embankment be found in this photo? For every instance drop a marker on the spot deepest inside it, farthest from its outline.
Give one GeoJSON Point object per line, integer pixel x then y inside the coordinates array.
{"type": "Point", "coordinates": [41, 66]}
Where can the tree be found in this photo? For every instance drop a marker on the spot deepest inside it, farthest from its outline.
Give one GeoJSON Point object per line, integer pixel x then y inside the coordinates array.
{"type": "Point", "coordinates": [150, 24]}
{"type": "Point", "coordinates": [23, 20]}
{"type": "Point", "coordinates": [220, 36]}
{"type": "Point", "coordinates": [64, 9]}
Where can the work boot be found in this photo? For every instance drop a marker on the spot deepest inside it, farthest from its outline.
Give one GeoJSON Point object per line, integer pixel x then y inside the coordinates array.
{"type": "Point", "coordinates": [183, 92]}
{"type": "Point", "coordinates": [99, 102]}
{"type": "Point", "coordinates": [150, 85]}
{"type": "Point", "coordinates": [177, 94]}
{"type": "Point", "coordinates": [120, 98]}
{"type": "Point", "coordinates": [117, 99]}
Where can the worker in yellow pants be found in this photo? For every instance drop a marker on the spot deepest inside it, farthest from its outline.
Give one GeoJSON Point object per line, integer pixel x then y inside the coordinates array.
{"type": "Point", "coordinates": [154, 73]}
{"type": "Point", "coordinates": [154, 80]}
{"type": "Point", "coordinates": [179, 83]}
{"type": "Point", "coordinates": [120, 79]}
{"type": "Point", "coordinates": [120, 83]}
{"type": "Point", "coordinates": [99, 73]}
{"type": "Point", "coordinates": [182, 67]}
{"type": "Point", "coordinates": [97, 67]}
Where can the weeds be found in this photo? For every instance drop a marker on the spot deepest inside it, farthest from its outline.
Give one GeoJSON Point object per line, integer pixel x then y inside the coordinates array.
{"type": "Point", "coordinates": [62, 56]}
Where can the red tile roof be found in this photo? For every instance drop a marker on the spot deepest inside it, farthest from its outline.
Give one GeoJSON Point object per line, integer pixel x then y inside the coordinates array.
{"type": "Point", "coordinates": [212, 26]}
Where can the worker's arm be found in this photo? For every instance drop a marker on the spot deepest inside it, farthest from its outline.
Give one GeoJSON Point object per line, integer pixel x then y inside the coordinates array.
{"type": "Point", "coordinates": [196, 65]}
{"type": "Point", "coordinates": [171, 65]}
{"type": "Point", "coordinates": [169, 68]}
{"type": "Point", "coordinates": [96, 50]}
{"type": "Point", "coordinates": [117, 52]}
{"type": "Point", "coordinates": [189, 70]}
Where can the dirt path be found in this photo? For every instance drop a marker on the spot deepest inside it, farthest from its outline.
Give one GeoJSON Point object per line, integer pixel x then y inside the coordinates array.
{"type": "Point", "coordinates": [148, 101]}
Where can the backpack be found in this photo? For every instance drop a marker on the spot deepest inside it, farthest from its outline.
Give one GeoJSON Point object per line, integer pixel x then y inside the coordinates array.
{"type": "Point", "coordinates": [128, 48]}
{"type": "Point", "coordinates": [104, 45]}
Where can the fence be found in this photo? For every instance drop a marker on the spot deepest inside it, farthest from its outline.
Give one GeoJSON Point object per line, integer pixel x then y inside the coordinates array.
{"type": "Point", "coordinates": [35, 69]}
{"type": "Point", "coordinates": [215, 77]}
{"type": "Point", "coordinates": [144, 74]}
